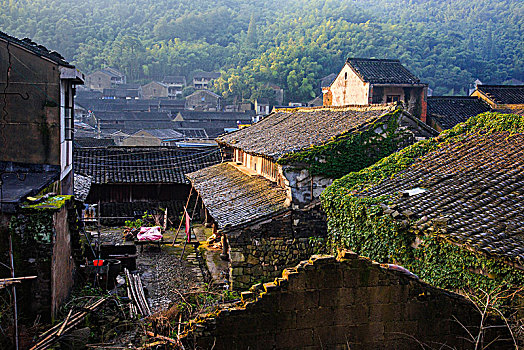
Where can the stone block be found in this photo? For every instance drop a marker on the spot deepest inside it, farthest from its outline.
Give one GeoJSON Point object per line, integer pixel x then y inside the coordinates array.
{"type": "Point", "coordinates": [237, 256]}
{"type": "Point", "coordinates": [321, 259]}
{"type": "Point", "coordinates": [319, 317]}
{"type": "Point", "coordinates": [295, 338]}
{"type": "Point", "coordinates": [247, 296]}
{"type": "Point", "coordinates": [288, 302]}
{"type": "Point", "coordinates": [386, 312]}
{"type": "Point", "coordinates": [270, 287]}
{"type": "Point", "coordinates": [351, 315]}
{"type": "Point", "coordinates": [305, 300]}
{"type": "Point", "coordinates": [351, 277]}
{"type": "Point", "coordinates": [347, 255]}
{"type": "Point", "coordinates": [333, 335]}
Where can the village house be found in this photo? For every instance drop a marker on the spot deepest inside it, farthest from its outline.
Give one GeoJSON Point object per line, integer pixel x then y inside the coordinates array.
{"type": "Point", "coordinates": [104, 79]}
{"type": "Point", "coordinates": [264, 199]}
{"type": "Point", "coordinates": [501, 97]}
{"type": "Point", "coordinates": [365, 81]}
{"type": "Point", "coordinates": [448, 209]}
{"type": "Point", "coordinates": [214, 123]}
{"type": "Point", "coordinates": [122, 92]}
{"type": "Point", "coordinates": [155, 89]}
{"type": "Point", "coordinates": [126, 180]}
{"type": "Point", "coordinates": [175, 84]}
{"type": "Point", "coordinates": [36, 172]}
{"type": "Point", "coordinates": [203, 100]}
{"type": "Point", "coordinates": [203, 80]}
{"type": "Point", "coordinates": [131, 122]}
{"type": "Point", "coordinates": [154, 137]}
{"type": "Point", "coordinates": [444, 112]}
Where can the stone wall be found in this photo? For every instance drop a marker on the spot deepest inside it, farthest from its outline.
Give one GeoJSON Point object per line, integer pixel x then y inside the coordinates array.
{"type": "Point", "coordinates": [260, 252]}
{"type": "Point", "coordinates": [348, 303]}
{"type": "Point", "coordinates": [42, 245]}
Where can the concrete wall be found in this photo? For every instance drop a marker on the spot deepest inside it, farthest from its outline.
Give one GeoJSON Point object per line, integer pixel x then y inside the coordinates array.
{"type": "Point", "coordinates": [30, 132]}
{"type": "Point", "coordinates": [349, 303]}
{"type": "Point", "coordinates": [349, 91]}
{"type": "Point", "coordinates": [62, 262]}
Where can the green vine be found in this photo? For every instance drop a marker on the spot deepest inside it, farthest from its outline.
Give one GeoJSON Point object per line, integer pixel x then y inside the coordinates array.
{"type": "Point", "coordinates": [352, 151]}
{"type": "Point", "coordinates": [360, 224]}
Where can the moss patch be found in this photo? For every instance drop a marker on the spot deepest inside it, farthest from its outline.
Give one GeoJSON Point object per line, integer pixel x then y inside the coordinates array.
{"type": "Point", "coordinates": [51, 203]}
{"type": "Point", "coordinates": [352, 151]}
{"type": "Point", "coordinates": [359, 223]}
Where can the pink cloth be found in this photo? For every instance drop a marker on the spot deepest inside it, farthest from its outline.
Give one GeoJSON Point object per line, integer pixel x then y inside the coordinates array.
{"type": "Point", "coordinates": [149, 234]}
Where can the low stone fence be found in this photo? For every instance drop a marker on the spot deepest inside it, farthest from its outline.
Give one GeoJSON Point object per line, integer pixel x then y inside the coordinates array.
{"type": "Point", "coordinates": [345, 303]}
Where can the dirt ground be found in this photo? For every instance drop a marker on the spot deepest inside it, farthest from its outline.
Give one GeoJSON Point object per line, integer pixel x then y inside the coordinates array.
{"type": "Point", "coordinates": [171, 273]}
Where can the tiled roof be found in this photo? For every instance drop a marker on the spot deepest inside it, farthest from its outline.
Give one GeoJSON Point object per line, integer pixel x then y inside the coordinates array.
{"type": "Point", "coordinates": [503, 94]}
{"type": "Point", "coordinates": [20, 180]}
{"type": "Point", "coordinates": [93, 142]}
{"type": "Point", "coordinates": [112, 72]}
{"type": "Point", "coordinates": [327, 80]}
{"type": "Point", "coordinates": [382, 71]}
{"type": "Point", "coordinates": [165, 134]}
{"type": "Point", "coordinates": [194, 133]}
{"type": "Point", "coordinates": [38, 50]}
{"type": "Point", "coordinates": [214, 116]}
{"type": "Point", "coordinates": [234, 197]}
{"type": "Point", "coordinates": [206, 75]}
{"type": "Point", "coordinates": [174, 79]}
{"type": "Point", "coordinates": [120, 92]}
{"type": "Point", "coordinates": [475, 186]}
{"type": "Point", "coordinates": [290, 130]}
{"type": "Point", "coordinates": [448, 111]}
{"type": "Point", "coordinates": [82, 185]}
{"type": "Point", "coordinates": [206, 92]}
{"type": "Point", "coordinates": [106, 165]}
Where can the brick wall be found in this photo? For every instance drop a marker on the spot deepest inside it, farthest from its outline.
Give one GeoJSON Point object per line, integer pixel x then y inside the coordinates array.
{"type": "Point", "coordinates": [348, 303]}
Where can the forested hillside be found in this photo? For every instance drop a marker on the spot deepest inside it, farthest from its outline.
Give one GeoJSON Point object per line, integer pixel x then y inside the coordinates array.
{"type": "Point", "coordinates": [292, 43]}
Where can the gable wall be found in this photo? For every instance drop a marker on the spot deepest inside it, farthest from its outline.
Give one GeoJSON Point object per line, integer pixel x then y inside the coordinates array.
{"type": "Point", "coordinates": [98, 81]}
{"type": "Point", "coordinates": [30, 131]}
{"type": "Point", "coordinates": [350, 91]}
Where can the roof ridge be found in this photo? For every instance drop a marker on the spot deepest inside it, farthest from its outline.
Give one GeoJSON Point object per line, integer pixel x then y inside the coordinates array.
{"type": "Point", "coordinates": [500, 85]}
{"type": "Point", "coordinates": [373, 59]}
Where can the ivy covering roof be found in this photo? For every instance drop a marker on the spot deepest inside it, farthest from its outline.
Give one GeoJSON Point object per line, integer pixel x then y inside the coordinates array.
{"type": "Point", "coordinates": [470, 184]}
{"type": "Point", "coordinates": [234, 197]}
{"type": "Point", "coordinates": [292, 130]}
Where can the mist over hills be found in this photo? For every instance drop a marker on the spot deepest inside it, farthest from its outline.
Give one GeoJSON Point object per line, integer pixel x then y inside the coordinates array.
{"type": "Point", "coordinates": [291, 43]}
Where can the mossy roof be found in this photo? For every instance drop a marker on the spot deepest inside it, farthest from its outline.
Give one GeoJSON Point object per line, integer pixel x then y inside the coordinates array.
{"type": "Point", "coordinates": [234, 197]}
{"type": "Point", "coordinates": [470, 181]}
{"type": "Point", "coordinates": [294, 129]}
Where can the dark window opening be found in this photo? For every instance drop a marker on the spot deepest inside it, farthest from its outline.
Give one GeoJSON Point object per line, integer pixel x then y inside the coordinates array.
{"type": "Point", "coordinates": [68, 110]}
{"type": "Point", "coordinates": [393, 98]}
